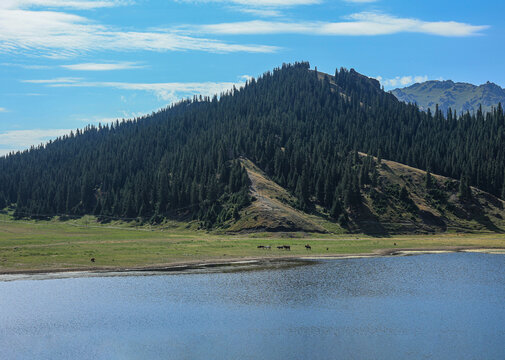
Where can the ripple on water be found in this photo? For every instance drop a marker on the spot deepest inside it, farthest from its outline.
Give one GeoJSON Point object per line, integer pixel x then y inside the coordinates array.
{"type": "Point", "coordinates": [433, 306]}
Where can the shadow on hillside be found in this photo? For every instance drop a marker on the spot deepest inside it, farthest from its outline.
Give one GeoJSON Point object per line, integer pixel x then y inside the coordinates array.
{"type": "Point", "coordinates": [368, 223]}
{"type": "Point", "coordinates": [485, 221]}
{"type": "Point", "coordinates": [432, 220]}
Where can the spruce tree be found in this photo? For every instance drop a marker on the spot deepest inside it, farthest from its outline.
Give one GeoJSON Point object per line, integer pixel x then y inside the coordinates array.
{"type": "Point", "coordinates": [428, 181]}
{"type": "Point", "coordinates": [464, 188]}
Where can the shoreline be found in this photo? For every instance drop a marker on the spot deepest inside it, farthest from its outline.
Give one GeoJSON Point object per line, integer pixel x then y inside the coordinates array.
{"type": "Point", "coordinates": [234, 263]}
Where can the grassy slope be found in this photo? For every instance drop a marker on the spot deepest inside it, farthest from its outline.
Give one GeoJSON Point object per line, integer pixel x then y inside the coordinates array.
{"type": "Point", "coordinates": [433, 210]}
{"type": "Point", "coordinates": [273, 209]}
{"type": "Point", "coordinates": [46, 246]}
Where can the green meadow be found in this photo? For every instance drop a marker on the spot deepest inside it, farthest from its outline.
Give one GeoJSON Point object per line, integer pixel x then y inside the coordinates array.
{"type": "Point", "coordinates": [64, 245]}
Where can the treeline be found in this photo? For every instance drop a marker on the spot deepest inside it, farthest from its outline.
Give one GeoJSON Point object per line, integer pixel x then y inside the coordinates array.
{"type": "Point", "coordinates": [302, 130]}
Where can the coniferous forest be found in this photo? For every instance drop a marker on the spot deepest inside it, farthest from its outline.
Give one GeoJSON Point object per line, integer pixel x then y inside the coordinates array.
{"type": "Point", "coordinates": [302, 128]}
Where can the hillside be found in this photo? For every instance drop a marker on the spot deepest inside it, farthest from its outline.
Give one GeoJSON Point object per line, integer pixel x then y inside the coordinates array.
{"type": "Point", "coordinates": [272, 208]}
{"type": "Point", "coordinates": [263, 157]}
{"type": "Point", "coordinates": [397, 201]}
{"type": "Point", "coordinates": [437, 207]}
{"type": "Point", "coordinates": [460, 97]}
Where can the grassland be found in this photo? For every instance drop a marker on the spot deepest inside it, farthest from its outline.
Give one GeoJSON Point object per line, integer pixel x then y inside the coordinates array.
{"type": "Point", "coordinates": [46, 246]}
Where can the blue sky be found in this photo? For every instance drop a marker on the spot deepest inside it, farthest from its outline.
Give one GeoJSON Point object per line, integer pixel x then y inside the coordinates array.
{"type": "Point", "coordinates": [68, 63]}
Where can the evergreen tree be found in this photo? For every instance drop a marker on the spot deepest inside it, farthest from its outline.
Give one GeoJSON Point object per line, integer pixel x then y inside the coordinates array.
{"type": "Point", "coordinates": [336, 209]}
{"type": "Point", "coordinates": [404, 194]}
{"type": "Point", "coordinates": [464, 189]}
{"type": "Point", "coordinates": [428, 181]}
{"type": "Point", "coordinates": [303, 132]}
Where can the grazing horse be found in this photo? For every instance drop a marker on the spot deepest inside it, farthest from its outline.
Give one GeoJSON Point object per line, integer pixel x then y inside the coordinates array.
{"type": "Point", "coordinates": [92, 259]}
{"type": "Point", "coordinates": [395, 244]}
{"type": "Point", "coordinates": [287, 247]}
{"type": "Point", "coordinates": [261, 246]}
{"type": "Point", "coordinates": [268, 247]}
{"type": "Point", "coordinates": [308, 247]}
{"type": "Point", "coordinates": [280, 247]}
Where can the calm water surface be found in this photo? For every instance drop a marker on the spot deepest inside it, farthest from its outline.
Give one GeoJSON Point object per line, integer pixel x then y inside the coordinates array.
{"type": "Point", "coordinates": [444, 306]}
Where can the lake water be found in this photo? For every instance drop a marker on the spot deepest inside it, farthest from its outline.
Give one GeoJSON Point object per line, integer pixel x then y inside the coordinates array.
{"type": "Point", "coordinates": [444, 306]}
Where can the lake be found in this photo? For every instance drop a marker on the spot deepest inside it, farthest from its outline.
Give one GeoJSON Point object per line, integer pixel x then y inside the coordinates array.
{"type": "Point", "coordinates": [443, 306]}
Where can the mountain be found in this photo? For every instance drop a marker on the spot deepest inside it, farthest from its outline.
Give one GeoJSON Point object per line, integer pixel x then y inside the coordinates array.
{"type": "Point", "coordinates": [280, 153]}
{"type": "Point", "coordinates": [460, 97]}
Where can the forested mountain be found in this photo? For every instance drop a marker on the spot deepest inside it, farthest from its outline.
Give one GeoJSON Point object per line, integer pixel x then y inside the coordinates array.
{"type": "Point", "coordinates": [303, 129]}
{"type": "Point", "coordinates": [460, 97]}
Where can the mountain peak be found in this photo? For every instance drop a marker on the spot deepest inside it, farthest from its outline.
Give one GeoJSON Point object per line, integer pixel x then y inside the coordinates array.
{"type": "Point", "coordinates": [459, 96]}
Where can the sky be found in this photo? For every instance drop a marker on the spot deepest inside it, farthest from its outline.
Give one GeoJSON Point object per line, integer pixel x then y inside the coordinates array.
{"type": "Point", "coordinates": [68, 63]}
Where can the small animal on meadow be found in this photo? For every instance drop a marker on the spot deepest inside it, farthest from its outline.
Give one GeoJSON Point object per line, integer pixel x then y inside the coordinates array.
{"type": "Point", "coordinates": [92, 259]}
{"type": "Point", "coordinates": [268, 247]}
{"type": "Point", "coordinates": [280, 247]}
{"type": "Point", "coordinates": [327, 249]}
{"type": "Point", "coordinates": [308, 247]}
{"type": "Point", "coordinates": [287, 247]}
{"type": "Point", "coordinates": [395, 244]}
{"type": "Point", "coordinates": [261, 246]}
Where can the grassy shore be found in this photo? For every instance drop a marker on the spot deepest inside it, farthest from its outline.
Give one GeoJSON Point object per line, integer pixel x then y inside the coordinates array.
{"type": "Point", "coordinates": [27, 246]}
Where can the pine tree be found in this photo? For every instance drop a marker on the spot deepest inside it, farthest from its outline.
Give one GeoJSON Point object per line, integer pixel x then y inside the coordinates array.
{"type": "Point", "coordinates": [404, 194]}
{"type": "Point", "coordinates": [3, 202]}
{"type": "Point", "coordinates": [287, 122]}
{"type": "Point", "coordinates": [464, 188]}
{"type": "Point", "coordinates": [428, 181]}
{"type": "Point", "coordinates": [336, 209]}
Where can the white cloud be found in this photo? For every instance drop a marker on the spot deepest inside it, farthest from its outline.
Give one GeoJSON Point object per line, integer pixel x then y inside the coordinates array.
{"type": "Point", "coordinates": [402, 80]}
{"type": "Point", "coordinates": [16, 140]}
{"type": "Point", "coordinates": [102, 66]}
{"type": "Point", "coordinates": [123, 115]}
{"type": "Point", "coordinates": [75, 4]}
{"type": "Point", "coordinates": [3, 109]}
{"type": "Point", "coordinates": [62, 80]}
{"type": "Point", "coordinates": [360, 1]}
{"type": "Point", "coordinates": [260, 3]}
{"type": "Point", "coordinates": [26, 66]}
{"type": "Point", "coordinates": [259, 12]}
{"type": "Point", "coordinates": [57, 34]}
{"type": "Point", "coordinates": [262, 8]}
{"type": "Point", "coordinates": [360, 24]}
{"type": "Point", "coordinates": [170, 92]}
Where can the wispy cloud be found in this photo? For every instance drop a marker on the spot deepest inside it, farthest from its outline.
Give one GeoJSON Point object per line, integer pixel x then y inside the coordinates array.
{"type": "Point", "coordinates": [270, 12]}
{"type": "Point", "coordinates": [261, 8]}
{"type": "Point", "coordinates": [360, 1]}
{"type": "Point", "coordinates": [102, 66]}
{"type": "Point", "coordinates": [73, 4]}
{"type": "Point", "coordinates": [3, 109]}
{"type": "Point", "coordinates": [402, 80]}
{"type": "Point", "coordinates": [61, 80]}
{"type": "Point", "coordinates": [170, 92]}
{"type": "Point", "coordinates": [26, 66]}
{"type": "Point", "coordinates": [123, 115]}
{"type": "Point", "coordinates": [57, 34]}
{"type": "Point", "coordinates": [16, 140]}
{"type": "Point", "coordinates": [360, 24]}
{"type": "Point", "coordinates": [260, 3]}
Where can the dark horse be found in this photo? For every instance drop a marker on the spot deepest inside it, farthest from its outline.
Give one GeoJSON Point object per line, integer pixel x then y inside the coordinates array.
{"type": "Point", "coordinates": [308, 247]}
{"type": "Point", "coordinates": [92, 259]}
